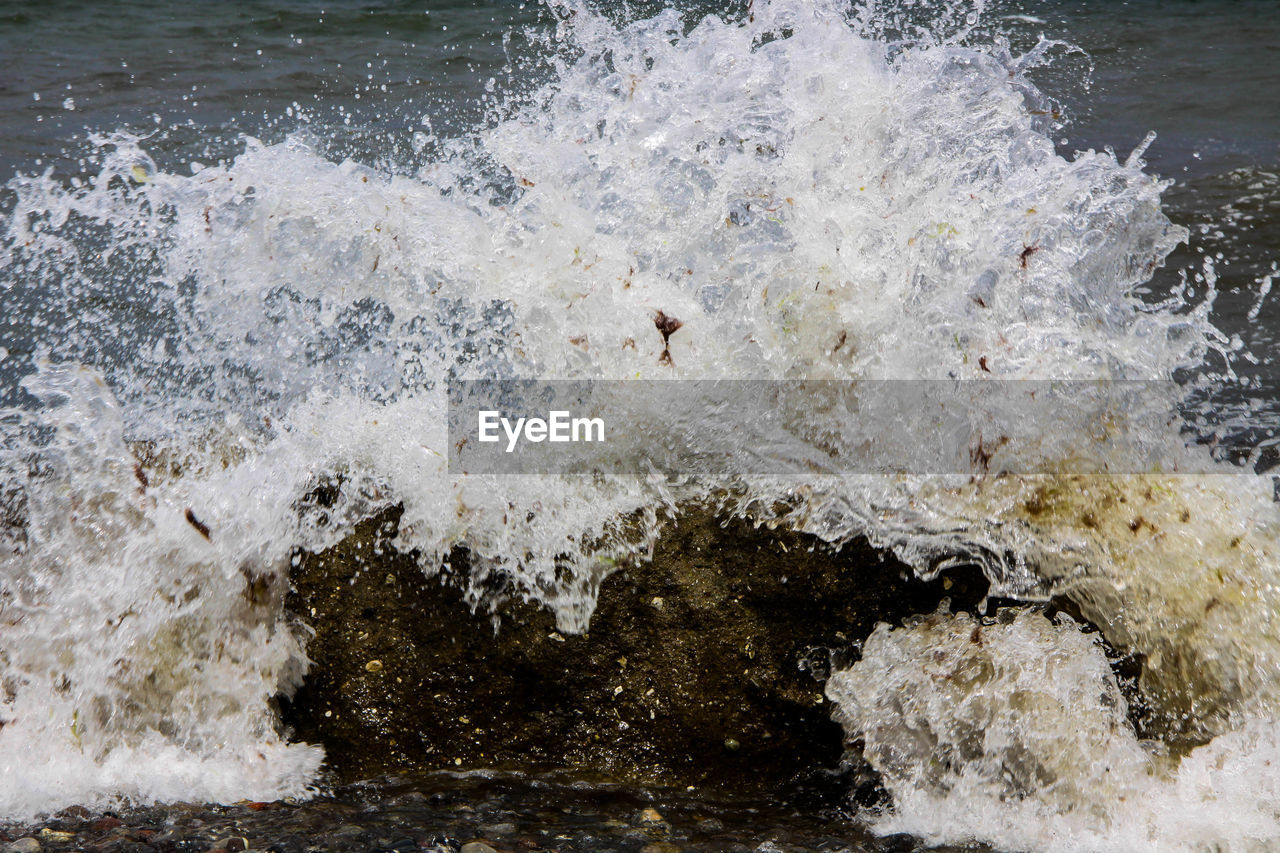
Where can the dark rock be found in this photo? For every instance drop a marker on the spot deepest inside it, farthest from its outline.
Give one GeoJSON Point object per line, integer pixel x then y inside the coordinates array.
{"type": "Point", "coordinates": [720, 639]}
{"type": "Point", "coordinates": [289, 845]}
{"type": "Point", "coordinates": [127, 847]}
{"type": "Point", "coordinates": [76, 813]}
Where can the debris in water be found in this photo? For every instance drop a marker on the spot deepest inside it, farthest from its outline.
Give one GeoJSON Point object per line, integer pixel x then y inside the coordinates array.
{"type": "Point", "coordinates": [200, 526]}
{"type": "Point", "coordinates": [668, 326]}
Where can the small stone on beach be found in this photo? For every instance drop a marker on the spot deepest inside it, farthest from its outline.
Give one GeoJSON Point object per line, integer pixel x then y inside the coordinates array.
{"type": "Point", "coordinates": [476, 847]}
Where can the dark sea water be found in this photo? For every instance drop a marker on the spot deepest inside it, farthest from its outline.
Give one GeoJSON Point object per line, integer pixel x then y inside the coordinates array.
{"type": "Point", "coordinates": [391, 88]}
{"type": "Point", "coordinates": [1199, 73]}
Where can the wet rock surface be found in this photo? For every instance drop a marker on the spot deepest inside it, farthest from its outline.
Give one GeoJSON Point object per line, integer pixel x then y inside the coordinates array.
{"type": "Point", "coordinates": [701, 667]}
{"type": "Point", "coordinates": [464, 813]}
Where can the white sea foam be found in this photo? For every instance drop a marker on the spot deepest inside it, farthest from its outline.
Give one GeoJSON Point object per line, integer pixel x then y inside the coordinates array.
{"type": "Point", "coordinates": [813, 194]}
{"type": "Point", "coordinates": [1013, 730]}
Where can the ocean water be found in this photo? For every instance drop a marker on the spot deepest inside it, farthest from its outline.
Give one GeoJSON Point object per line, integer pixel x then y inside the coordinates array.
{"type": "Point", "coordinates": [246, 246]}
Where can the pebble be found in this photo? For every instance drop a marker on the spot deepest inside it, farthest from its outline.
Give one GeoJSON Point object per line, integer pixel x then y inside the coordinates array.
{"type": "Point", "coordinates": [23, 845]}
{"type": "Point", "coordinates": [476, 847]}
{"type": "Point", "coordinates": [651, 815]}
{"type": "Point", "coordinates": [660, 847]}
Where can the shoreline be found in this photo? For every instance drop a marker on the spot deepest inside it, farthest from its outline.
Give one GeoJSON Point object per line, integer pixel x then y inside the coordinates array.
{"type": "Point", "coordinates": [445, 812]}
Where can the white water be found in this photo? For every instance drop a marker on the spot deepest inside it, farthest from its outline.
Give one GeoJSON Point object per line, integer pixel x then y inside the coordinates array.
{"type": "Point", "coordinates": [1014, 731]}
{"type": "Point", "coordinates": [811, 200]}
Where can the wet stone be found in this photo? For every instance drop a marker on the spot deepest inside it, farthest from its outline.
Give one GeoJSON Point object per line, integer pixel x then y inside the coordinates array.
{"type": "Point", "coordinates": [128, 847]}
{"type": "Point", "coordinates": [348, 830]}
{"type": "Point", "coordinates": [477, 847]}
{"type": "Point", "coordinates": [497, 829]}
{"type": "Point", "coordinates": [720, 686]}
